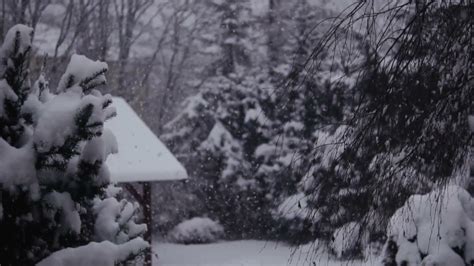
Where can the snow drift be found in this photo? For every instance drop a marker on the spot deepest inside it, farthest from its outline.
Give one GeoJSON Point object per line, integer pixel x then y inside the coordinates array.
{"type": "Point", "coordinates": [433, 229]}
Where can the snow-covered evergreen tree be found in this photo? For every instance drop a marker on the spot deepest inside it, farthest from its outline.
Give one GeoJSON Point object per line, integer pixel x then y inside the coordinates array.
{"type": "Point", "coordinates": [53, 176]}
{"type": "Point", "coordinates": [216, 136]}
{"type": "Point", "coordinates": [247, 135]}
{"type": "Point", "coordinates": [318, 97]}
{"type": "Point", "coordinates": [217, 132]}
{"type": "Point", "coordinates": [409, 133]}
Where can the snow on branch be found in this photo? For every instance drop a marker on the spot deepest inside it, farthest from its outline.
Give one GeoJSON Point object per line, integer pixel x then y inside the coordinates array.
{"type": "Point", "coordinates": [104, 253]}
{"type": "Point", "coordinates": [53, 176]}
{"type": "Point", "coordinates": [83, 72]}
{"type": "Point", "coordinates": [433, 229]}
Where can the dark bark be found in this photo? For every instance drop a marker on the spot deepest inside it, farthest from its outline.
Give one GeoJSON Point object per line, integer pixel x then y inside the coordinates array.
{"type": "Point", "coordinates": [148, 220]}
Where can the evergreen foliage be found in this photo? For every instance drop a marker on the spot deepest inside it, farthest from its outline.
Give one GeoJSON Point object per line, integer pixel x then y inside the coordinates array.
{"type": "Point", "coordinates": [246, 136]}
{"type": "Point", "coordinates": [409, 133]}
{"type": "Point", "coordinates": [357, 124]}
{"type": "Point", "coordinates": [53, 148]}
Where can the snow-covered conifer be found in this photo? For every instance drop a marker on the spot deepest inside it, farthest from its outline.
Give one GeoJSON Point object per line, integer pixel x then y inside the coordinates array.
{"type": "Point", "coordinates": [409, 133]}
{"type": "Point", "coordinates": [53, 176]}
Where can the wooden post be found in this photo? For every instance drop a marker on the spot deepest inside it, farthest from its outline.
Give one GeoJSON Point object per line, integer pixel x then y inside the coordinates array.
{"type": "Point", "coordinates": [148, 220]}
{"type": "Point", "coordinates": [145, 202]}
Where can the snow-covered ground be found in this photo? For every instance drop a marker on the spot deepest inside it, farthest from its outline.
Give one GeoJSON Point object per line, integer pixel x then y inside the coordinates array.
{"type": "Point", "coordinates": [239, 253]}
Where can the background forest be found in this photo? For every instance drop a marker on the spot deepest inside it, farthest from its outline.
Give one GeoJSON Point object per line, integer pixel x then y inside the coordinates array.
{"type": "Point", "coordinates": [296, 120]}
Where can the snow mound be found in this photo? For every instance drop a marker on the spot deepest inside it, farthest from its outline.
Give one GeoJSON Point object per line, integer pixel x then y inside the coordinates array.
{"type": "Point", "coordinates": [294, 207]}
{"type": "Point", "coordinates": [433, 229]}
{"type": "Point", "coordinates": [220, 140]}
{"type": "Point", "coordinates": [256, 114]}
{"type": "Point", "coordinates": [104, 253]}
{"type": "Point", "coordinates": [17, 165]}
{"type": "Point", "coordinates": [196, 230]}
{"type": "Point", "coordinates": [17, 41]}
{"type": "Point", "coordinates": [345, 240]}
{"type": "Point", "coordinates": [84, 72]}
{"type": "Point", "coordinates": [58, 120]}
{"type": "Point", "coordinates": [62, 204]}
{"type": "Point", "coordinates": [116, 220]}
